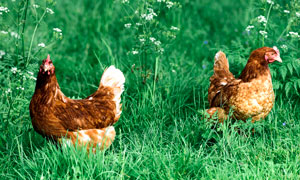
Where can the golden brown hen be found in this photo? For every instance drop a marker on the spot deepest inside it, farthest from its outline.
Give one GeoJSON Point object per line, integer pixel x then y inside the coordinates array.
{"type": "Point", "coordinates": [87, 121]}
{"type": "Point", "coordinates": [249, 96]}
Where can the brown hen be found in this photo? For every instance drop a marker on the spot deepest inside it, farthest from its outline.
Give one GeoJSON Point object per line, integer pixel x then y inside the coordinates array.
{"type": "Point", "coordinates": [249, 96]}
{"type": "Point", "coordinates": [86, 121]}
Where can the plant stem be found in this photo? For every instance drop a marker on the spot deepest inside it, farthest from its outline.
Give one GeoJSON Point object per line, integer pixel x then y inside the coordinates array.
{"type": "Point", "coordinates": [285, 30]}
{"type": "Point", "coordinates": [32, 38]}
{"type": "Point", "coordinates": [155, 76]}
{"type": "Point", "coordinates": [268, 15]}
{"type": "Point", "coordinates": [23, 28]}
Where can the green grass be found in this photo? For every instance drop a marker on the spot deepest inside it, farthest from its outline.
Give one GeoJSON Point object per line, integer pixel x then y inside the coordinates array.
{"type": "Point", "coordinates": [162, 133]}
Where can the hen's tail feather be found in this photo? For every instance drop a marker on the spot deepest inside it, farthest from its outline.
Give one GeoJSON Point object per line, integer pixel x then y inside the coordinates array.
{"type": "Point", "coordinates": [221, 66]}
{"type": "Point", "coordinates": [221, 77]}
{"type": "Point", "coordinates": [92, 138]}
{"type": "Point", "coordinates": [114, 78]}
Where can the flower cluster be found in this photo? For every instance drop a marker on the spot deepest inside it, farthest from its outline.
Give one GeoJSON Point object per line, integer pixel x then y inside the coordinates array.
{"type": "Point", "coordinates": [264, 33]}
{"type": "Point", "coordinates": [15, 35]}
{"type": "Point", "coordinates": [50, 11]}
{"type": "Point", "coordinates": [149, 15]}
{"type": "Point", "coordinates": [262, 19]}
{"type": "Point", "coordinates": [8, 91]}
{"type": "Point", "coordinates": [36, 6]}
{"type": "Point", "coordinates": [4, 32]}
{"type": "Point", "coordinates": [57, 33]}
{"type": "Point", "coordinates": [169, 4]}
{"type": "Point", "coordinates": [28, 75]}
{"type": "Point", "coordinates": [293, 34]}
{"type": "Point", "coordinates": [3, 10]}
{"type": "Point", "coordinates": [270, 2]}
{"type": "Point", "coordinates": [41, 45]}
{"type": "Point", "coordinates": [248, 29]}
{"type": "Point", "coordinates": [128, 25]}
{"type": "Point", "coordinates": [2, 53]}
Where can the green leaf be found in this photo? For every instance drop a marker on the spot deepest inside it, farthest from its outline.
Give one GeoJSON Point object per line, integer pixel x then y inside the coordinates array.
{"type": "Point", "coordinates": [283, 72]}
{"type": "Point", "coordinates": [290, 67]}
{"type": "Point", "coordinates": [288, 87]}
{"type": "Point", "coordinates": [276, 85]}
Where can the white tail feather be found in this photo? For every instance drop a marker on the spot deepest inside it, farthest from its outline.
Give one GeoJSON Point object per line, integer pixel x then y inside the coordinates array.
{"type": "Point", "coordinates": [114, 78]}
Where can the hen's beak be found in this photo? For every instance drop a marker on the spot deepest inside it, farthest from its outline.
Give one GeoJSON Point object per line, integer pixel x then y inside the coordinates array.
{"type": "Point", "coordinates": [278, 59]}
{"type": "Point", "coordinates": [46, 68]}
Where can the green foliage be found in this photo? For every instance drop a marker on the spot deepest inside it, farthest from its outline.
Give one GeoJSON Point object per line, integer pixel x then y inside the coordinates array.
{"type": "Point", "coordinates": [162, 133]}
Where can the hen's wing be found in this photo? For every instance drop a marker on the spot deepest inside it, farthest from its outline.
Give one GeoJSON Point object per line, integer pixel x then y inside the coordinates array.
{"type": "Point", "coordinates": [98, 110]}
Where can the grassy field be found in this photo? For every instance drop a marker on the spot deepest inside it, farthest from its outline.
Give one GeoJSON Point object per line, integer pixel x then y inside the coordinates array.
{"type": "Point", "coordinates": [165, 50]}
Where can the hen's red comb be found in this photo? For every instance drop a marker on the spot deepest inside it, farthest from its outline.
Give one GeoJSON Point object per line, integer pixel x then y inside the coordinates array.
{"type": "Point", "coordinates": [48, 58]}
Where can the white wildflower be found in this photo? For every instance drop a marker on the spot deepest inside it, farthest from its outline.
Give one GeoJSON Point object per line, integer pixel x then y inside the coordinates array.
{"type": "Point", "coordinates": [31, 73]}
{"type": "Point", "coordinates": [8, 91]}
{"type": "Point", "coordinates": [50, 11]}
{"type": "Point", "coordinates": [135, 52]}
{"type": "Point", "coordinates": [293, 34]}
{"type": "Point", "coordinates": [284, 47]}
{"type": "Point", "coordinates": [150, 15]}
{"type": "Point", "coordinates": [3, 32]}
{"type": "Point", "coordinates": [169, 4]}
{"type": "Point", "coordinates": [3, 9]}
{"type": "Point", "coordinates": [142, 40]}
{"type": "Point", "coordinates": [35, 6]}
{"type": "Point", "coordinates": [41, 45]}
{"type": "Point", "coordinates": [261, 19]}
{"type": "Point", "coordinates": [152, 12]}
{"type": "Point", "coordinates": [57, 30]}
{"type": "Point", "coordinates": [125, 1]}
{"type": "Point", "coordinates": [14, 70]}
{"type": "Point", "coordinates": [175, 28]}
{"type": "Point", "coordinates": [161, 50]}
{"type": "Point", "coordinates": [298, 14]}
{"type": "Point", "coordinates": [264, 33]}
{"type": "Point", "coordinates": [157, 43]}
{"type": "Point", "coordinates": [249, 28]}
{"type": "Point", "coordinates": [152, 39]}
{"type": "Point", "coordinates": [138, 24]}
{"type": "Point", "coordinates": [128, 25]}
{"type": "Point", "coordinates": [2, 53]}
{"type": "Point", "coordinates": [20, 88]}
{"type": "Point", "coordinates": [15, 35]}
{"type": "Point", "coordinates": [270, 2]}
{"type": "Point", "coordinates": [161, 0]}
{"type": "Point", "coordinates": [286, 11]}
